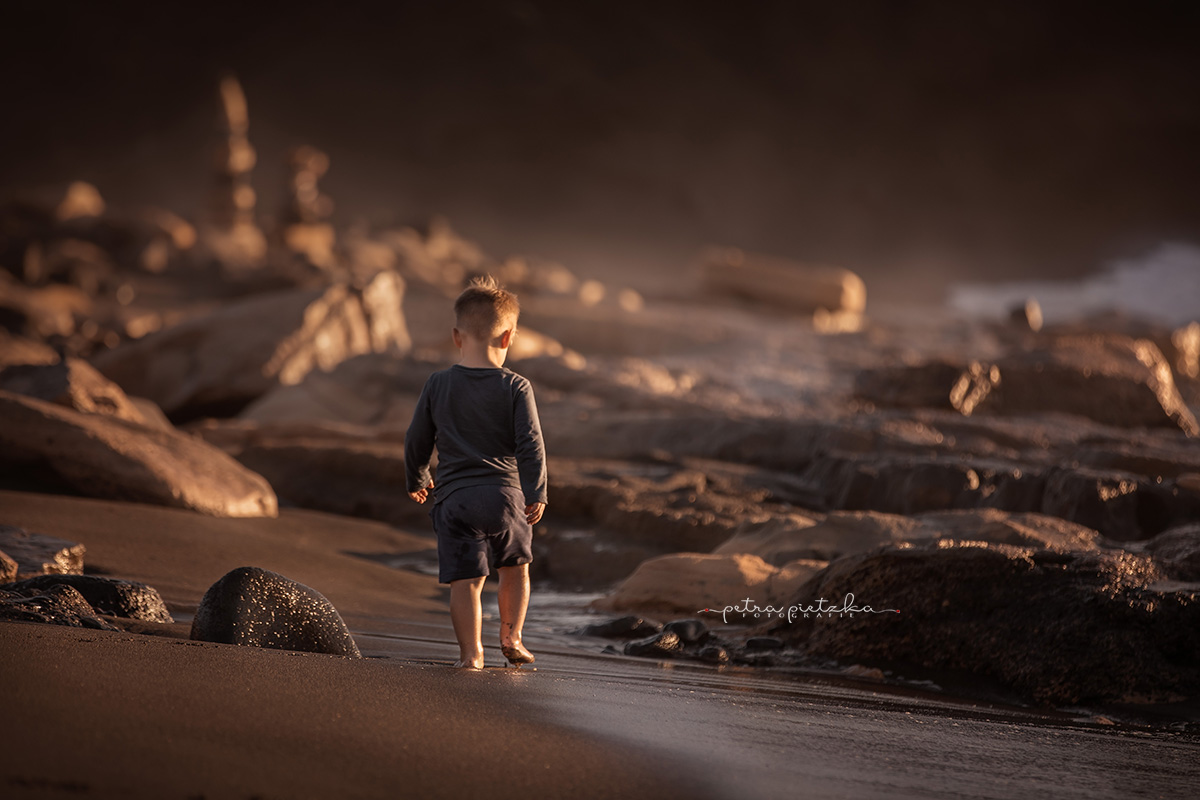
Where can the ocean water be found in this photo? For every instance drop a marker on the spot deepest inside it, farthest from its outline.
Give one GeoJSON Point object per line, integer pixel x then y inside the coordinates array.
{"type": "Point", "coordinates": [1162, 285]}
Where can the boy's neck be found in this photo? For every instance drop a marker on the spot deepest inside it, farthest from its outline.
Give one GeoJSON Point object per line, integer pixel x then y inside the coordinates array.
{"type": "Point", "coordinates": [483, 357]}
{"type": "Point", "coordinates": [480, 363]}
{"type": "Point", "coordinates": [480, 353]}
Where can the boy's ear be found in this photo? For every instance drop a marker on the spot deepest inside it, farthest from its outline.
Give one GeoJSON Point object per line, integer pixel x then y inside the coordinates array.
{"type": "Point", "coordinates": [457, 337]}
{"type": "Point", "coordinates": [506, 339]}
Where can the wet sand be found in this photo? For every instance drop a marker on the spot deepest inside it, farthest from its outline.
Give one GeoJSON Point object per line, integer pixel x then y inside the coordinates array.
{"type": "Point", "coordinates": [102, 714]}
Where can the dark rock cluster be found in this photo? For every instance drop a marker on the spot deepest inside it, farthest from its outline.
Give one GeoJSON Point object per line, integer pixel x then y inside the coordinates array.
{"type": "Point", "coordinates": [80, 601]}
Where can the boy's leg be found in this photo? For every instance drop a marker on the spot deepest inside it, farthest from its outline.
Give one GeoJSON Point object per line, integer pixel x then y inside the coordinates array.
{"type": "Point", "coordinates": [513, 597]}
{"type": "Point", "coordinates": [466, 614]}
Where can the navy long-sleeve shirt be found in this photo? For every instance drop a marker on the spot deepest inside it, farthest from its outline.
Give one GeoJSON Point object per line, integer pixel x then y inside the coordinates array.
{"type": "Point", "coordinates": [484, 423]}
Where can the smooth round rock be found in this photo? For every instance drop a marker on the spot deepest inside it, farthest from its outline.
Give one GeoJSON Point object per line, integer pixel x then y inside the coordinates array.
{"type": "Point", "coordinates": [256, 608]}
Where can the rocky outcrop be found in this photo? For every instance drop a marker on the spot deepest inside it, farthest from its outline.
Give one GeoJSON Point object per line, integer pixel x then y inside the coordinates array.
{"type": "Point", "coordinates": [696, 582]}
{"type": "Point", "coordinates": [218, 363]}
{"type": "Point", "coordinates": [1111, 379]}
{"type": "Point", "coordinates": [612, 515]}
{"type": "Point", "coordinates": [115, 598]}
{"type": "Point", "coordinates": [38, 554]}
{"type": "Point", "coordinates": [910, 463]}
{"type": "Point", "coordinates": [256, 608]}
{"type": "Point", "coordinates": [106, 457]}
{"type": "Point", "coordinates": [72, 383]}
{"type": "Point", "coordinates": [1059, 628]}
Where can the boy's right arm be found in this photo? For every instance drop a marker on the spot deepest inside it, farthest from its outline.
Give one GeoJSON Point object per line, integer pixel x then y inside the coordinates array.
{"type": "Point", "coordinates": [418, 449]}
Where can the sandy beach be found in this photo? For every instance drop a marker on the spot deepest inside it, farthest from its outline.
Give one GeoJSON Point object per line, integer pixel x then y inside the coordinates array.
{"type": "Point", "coordinates": [104, 714]}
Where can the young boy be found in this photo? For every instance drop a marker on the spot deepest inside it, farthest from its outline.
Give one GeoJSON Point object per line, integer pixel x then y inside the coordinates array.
{"type": "Point", "coordinates": [491, 473]}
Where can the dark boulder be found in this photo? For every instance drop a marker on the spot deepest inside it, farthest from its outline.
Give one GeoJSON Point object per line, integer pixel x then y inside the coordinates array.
{"type": "Point", "coordinates": [1059, 628]}
{"type": "Point", "coordinates": [256, 608]}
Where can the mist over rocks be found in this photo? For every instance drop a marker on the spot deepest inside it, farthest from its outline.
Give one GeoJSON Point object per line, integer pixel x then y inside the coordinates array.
{"type": "Point", "coordinates": [254, 607]}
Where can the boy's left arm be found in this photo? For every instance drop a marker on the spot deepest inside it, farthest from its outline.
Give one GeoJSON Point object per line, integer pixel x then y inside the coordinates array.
{"type": "Point", "coordinates": [531, 454]}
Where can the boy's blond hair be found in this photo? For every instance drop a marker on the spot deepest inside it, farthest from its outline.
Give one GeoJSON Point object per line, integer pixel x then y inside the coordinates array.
{"type": "Point", "coordinates": [484, 308]}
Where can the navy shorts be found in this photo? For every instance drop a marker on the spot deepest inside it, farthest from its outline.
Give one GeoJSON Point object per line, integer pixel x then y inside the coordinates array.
{"type": "Point", "coordinates": [476, 525]}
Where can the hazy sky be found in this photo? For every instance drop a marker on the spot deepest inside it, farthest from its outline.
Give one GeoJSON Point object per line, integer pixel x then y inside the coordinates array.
{"type": "Point", "coordinates": [909, 141]}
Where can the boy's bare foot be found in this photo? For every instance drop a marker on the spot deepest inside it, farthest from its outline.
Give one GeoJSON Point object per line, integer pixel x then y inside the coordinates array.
{"type": "Point", "coordinates": [469, 663]}
{"type": "Point", "coordinates": [516, 654]}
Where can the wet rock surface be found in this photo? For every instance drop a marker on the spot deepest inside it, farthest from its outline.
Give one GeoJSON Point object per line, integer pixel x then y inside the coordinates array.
{"type": "Point", "coordinates": [34, 553]}
{"type": "Point", "coordinates": [57, 604]}
{"type": "Point", "coordinates": [253, 607]}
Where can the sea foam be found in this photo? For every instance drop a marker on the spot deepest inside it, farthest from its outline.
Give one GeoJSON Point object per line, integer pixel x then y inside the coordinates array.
{"type": "Point", "coordinates": [1162, 286]}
